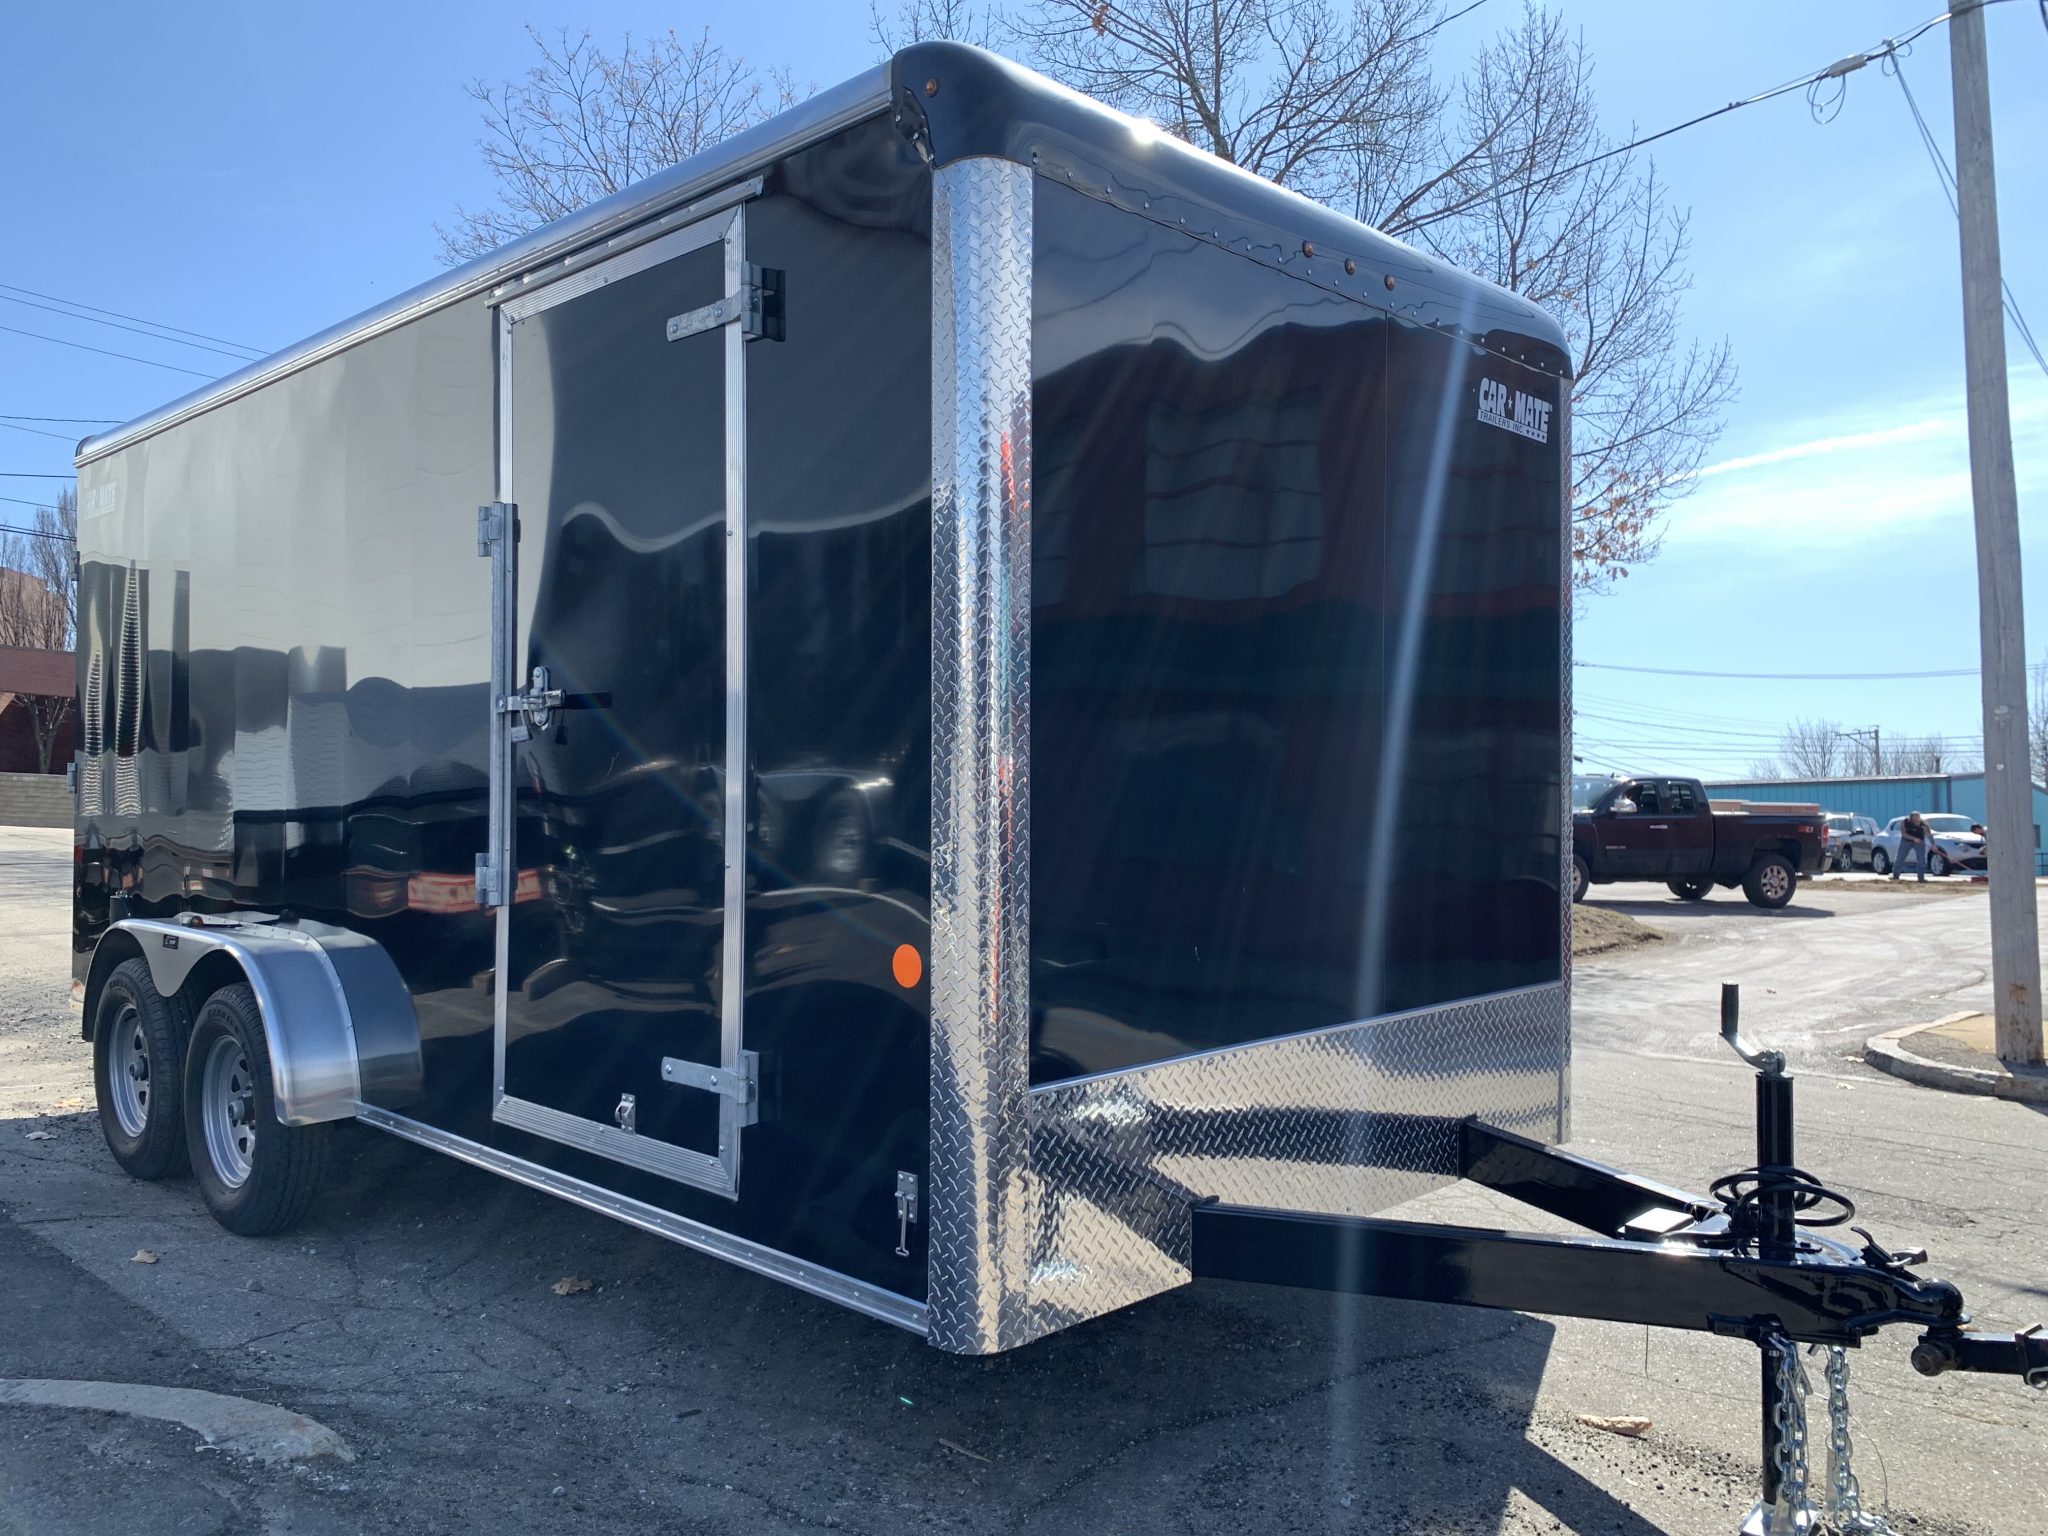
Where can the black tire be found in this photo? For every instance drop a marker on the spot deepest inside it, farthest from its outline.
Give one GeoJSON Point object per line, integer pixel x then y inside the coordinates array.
{"type": "Point", "coordinates": [1771, 881]}
{"type": "Point", "coordinates": [257, 1174]}
{"type": "Point", "coordinates": [1937, 863]}
{"type": "Point", "coordinates": [1689, 890]}
{"type": "Point", "coordinates": [139, 1034]}
{"type": "Point", "coordinates": [1880, 862]}
{"type": "Point", "coordinates": [1582, 879]}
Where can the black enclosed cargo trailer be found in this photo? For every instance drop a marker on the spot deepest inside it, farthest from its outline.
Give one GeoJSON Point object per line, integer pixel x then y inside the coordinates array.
{"type": "Point", "coordinates": [954, 702]}
{"type": "Point", "coordinates": [1013, 668]}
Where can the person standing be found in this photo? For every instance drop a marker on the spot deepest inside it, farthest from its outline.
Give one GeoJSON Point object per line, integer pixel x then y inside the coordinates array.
{"type": "Point", "coordinates": [1913, 840]}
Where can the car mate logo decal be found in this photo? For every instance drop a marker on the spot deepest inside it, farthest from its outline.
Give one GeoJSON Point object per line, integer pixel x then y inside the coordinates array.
{"type": "Point", "coordinates": [1513, 411]}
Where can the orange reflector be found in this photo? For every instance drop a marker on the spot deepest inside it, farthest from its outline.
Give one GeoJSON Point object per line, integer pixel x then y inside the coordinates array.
{"type": "Point", "coordinates": [907, 965]}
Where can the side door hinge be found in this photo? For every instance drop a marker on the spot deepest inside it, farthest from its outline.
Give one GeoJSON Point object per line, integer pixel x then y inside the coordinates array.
{"type": "Point", "coordinates": [757, 309]}
{"type": "Point", "coordinates": [494, 521]}
{"type": "Point", "coordinates": [741, 1084]}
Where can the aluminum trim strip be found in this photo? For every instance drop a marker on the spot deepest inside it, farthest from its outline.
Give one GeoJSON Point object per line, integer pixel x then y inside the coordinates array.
{"type": "Point", "coordinates": [705, 228]}
{"type": "Point", "coordinates": [733, 941]}
{"type": "Point", "coordinates": [979, 1203]}
{"type": "Point", "coordinates": [829, 112]}
{"type": "Point", "coordinates": [697, 1169]}
{"type": "Point", "coordinates": [869, 1300]}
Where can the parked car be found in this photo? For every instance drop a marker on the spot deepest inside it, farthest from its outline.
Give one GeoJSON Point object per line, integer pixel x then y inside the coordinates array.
{"type": "Point", "coordinates": [1952, 845]}
{"type": "Point", "coordinates": [1850, 839]}
{"type": "Point", "coordinates": [1666, 829]}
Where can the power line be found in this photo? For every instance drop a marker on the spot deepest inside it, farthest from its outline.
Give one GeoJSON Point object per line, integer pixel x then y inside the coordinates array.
{"type": "Point", "coordinates": [32, 533]}
{"type": "Point", "coordinates": [31, 474]}
{"type": "Point", "coordinates": [62, 437]}
{"type": "Point", "coordinates": [179, 330]}
{"type": "Point", "coordinates": [176, 341]}
{"type": "Point", "coordinates": [1784, 677]}
{"type": "Point", "coordinates": [40, 506]}
{"type": "Point", "coordinates": [1894, 67]}
{"type": "Point", "coordinates": [103, 352]}
{"type": "Point", "coordinates": [1844, 66]}
{"type": "Point", "coordinates": [86, 421]}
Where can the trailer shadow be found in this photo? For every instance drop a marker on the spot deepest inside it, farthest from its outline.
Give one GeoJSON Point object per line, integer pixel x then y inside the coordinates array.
{"type": "Point", "coordinates": [1669, 909]}
{"type": "Point", "coordinates": [1214, 1406]}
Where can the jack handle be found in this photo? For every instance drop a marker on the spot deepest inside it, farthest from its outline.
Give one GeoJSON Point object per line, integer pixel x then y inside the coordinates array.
{"type": "Point", "coordinates": [1769, 1063]}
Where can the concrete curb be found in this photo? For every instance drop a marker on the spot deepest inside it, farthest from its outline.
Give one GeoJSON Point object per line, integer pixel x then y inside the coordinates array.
{"type": "Point", "coordinates": [1888, 1053]}
{"type": "Point", "coordinates": [236, 1424]}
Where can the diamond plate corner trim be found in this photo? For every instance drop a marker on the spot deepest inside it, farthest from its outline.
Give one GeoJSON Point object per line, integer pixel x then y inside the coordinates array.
{"type": "Point", "coordinates": [1564, 729]}
{"type": "Point", "coordinates": [1347, 1121]}
{"type": "Point", "coordinates": [981, 650]}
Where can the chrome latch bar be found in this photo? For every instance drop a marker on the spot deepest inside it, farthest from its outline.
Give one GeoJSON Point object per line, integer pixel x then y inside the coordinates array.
{"type": "Point", "coordinates": [906, 1211]}
{"type": "Point", "coordinates": [741, 1084]}
{"type": "Point", "coordinates": [537, 705]}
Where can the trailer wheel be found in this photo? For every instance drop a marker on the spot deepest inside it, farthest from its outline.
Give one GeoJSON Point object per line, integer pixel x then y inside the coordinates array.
{"type": "Point", "coordinates": [1880, 862]}
{"type": "Point", "coordinates": [1581, 878]}
{"type": "Point", "coordinates": [1771, 881]}
{"type": "Point", "coordinates": [258, 1175]}
{"type": "Point", "coordinates": [138, 1045]}
{"type": "Point", "coordinates": [1689, 890]}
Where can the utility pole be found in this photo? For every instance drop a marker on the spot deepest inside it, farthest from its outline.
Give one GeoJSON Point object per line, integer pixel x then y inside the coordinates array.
{"type": "Point", "coordinates": [1876, 735]}
{"type": "Point", "coordinates": [2001, 622]}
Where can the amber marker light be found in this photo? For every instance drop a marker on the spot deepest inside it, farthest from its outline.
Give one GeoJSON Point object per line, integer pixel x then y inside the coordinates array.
{"type": "Point", "coordinates": [907, 965]}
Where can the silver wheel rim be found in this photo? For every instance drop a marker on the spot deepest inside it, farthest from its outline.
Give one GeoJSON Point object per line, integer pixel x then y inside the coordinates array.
{"type": "Point", "coordinates": [227, 1108]}
{"type": "Point", "coordinates": [1773, 881]}
{"type": "Point", "coordinates": [128, 1081]}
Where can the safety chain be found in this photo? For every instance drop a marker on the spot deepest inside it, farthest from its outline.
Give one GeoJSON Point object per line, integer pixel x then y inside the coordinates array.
{"type": "Point", "coordinates": [1846, 1515]}
{"type": "Point", "coordinates": [1793, 1512]}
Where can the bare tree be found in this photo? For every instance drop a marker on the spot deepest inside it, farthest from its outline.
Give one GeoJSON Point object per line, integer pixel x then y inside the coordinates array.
{"type": "Point", "coordinates": [39, 606]}
{"type": "Point", "coordinates": [2037, 725]}
{"type": "Point", "coordinates": [1766, 770]}
{"type": "Point", "coordinates": [1927, 754]}
{"type": "Point", "coordinates": [1504, 171]}
{"type": "Point", "coordinates": [1541, 204]}
{"type": "Point", "coordinates": [920, 21]}
{"type": "Point", "coordinates": [1812, 749]}
{"type": "Point", "coordinates": [582, 124]}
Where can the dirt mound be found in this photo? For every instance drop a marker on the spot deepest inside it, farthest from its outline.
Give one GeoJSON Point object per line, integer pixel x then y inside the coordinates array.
{"type": "Point", "coordinates": [1596, 931]}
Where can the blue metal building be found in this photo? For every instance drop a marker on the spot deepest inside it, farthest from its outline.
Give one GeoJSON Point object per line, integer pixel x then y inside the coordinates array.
{"type": "Point", "coordinates": [1884, 798]}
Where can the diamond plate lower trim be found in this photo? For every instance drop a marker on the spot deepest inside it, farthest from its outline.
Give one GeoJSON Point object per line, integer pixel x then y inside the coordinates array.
{"type": "Point", "coordinates": [981, 652]}
{"type": "Point", "coordinates": [1348, 1121]}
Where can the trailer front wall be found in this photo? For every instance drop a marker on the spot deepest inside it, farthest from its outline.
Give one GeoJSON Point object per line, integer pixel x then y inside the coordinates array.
{"type": "Point", "coordinates": [1293, 686]}
{"type": "Point", "coordinates": [1295, 663]}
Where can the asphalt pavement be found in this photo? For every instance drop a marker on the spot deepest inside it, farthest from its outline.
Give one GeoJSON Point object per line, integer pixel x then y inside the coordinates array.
{"type": "Point", "coordinates": [416, 1315]}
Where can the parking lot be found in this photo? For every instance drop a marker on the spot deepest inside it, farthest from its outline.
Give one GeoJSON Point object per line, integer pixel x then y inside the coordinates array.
{"type": "Point", "coordinates": [416, 1314]}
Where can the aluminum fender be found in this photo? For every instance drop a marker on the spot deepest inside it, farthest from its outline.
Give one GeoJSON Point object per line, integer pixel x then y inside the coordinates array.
{"type": "Point", "coordinates": [336, 1016]}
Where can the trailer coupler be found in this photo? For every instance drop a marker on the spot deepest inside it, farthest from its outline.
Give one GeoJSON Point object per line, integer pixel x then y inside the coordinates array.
{"type": "Point", "coordinates": [1753, 1259]}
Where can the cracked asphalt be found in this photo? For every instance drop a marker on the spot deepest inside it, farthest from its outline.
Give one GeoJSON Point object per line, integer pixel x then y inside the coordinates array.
{"type": "Point", "coordinates": [414, 1313]}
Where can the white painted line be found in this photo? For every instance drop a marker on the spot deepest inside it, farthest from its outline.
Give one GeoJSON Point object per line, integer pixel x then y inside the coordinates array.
{"type": "Point", "coordinates": [236, 1424]}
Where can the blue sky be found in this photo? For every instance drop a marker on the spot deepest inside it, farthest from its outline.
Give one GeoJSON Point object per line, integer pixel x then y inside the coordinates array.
{"type": "Point", "coordinates": [259, 171]}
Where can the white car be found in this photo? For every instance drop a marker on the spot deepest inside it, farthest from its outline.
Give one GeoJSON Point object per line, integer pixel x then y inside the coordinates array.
{"type": "Point", "coordinates": [1952, 845]}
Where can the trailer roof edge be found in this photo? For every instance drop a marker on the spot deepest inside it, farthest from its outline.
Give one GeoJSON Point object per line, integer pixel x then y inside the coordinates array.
{"type": "Point", "coordinates": [865, 95]}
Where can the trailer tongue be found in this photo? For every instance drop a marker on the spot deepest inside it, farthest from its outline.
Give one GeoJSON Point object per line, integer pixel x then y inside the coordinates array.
{"type": "Point", "coordinates": [1750, 1261]}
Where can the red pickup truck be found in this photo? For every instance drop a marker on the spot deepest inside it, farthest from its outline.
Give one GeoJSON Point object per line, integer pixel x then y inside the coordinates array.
{"type": "Point", "coordinates": [1667, 829]}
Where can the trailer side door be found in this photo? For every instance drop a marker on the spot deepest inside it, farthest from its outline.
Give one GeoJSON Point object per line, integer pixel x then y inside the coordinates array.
{"type": "Point", "coordinates": [619, 756]}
